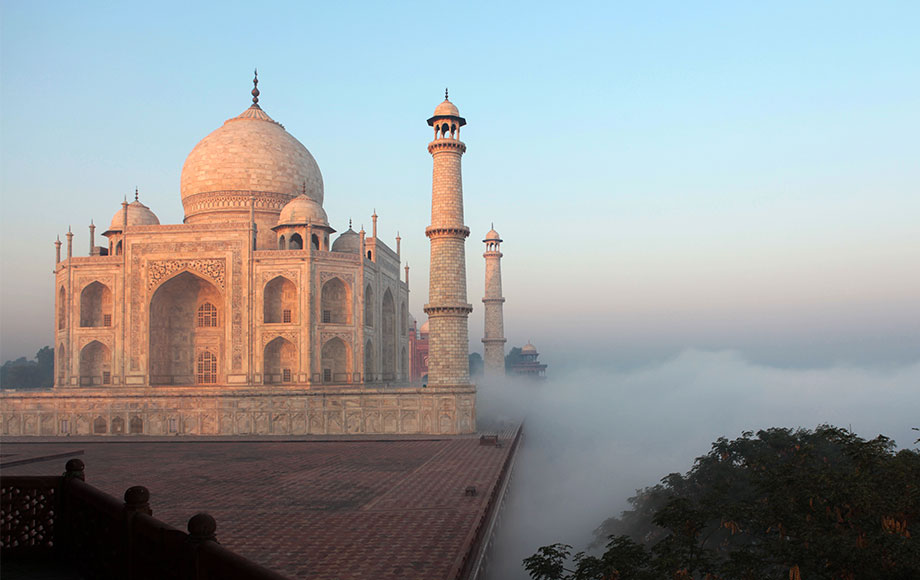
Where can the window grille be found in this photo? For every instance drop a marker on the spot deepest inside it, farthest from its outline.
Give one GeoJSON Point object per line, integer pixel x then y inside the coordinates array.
{"type": "Point", "coordinates": [327, 316]}
{"type": "Point", "coordinates": [286, 375]}
{"type": "Point", "coordinates": [173, 426]}
{"type": "Point", "coordinates": [286, 316]}
{"type": "Point", "coordinates": [106, 377]}
{"type": "Point", "coordinates": [327, 375]}
{"type": "Point", "coordinates": [106, 320]}
{"type": "Point", "coordinates": [207, 315]}
{"type": "Point", "coordinates": [207, 368]}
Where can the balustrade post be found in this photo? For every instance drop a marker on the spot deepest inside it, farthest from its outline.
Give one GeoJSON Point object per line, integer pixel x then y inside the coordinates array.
{"type": "Point", "coordinates": [202, 528]}
{"type": "Point", "coordinates": [74, 469]}
{"type": "Point", "coordinates": [137, 500]}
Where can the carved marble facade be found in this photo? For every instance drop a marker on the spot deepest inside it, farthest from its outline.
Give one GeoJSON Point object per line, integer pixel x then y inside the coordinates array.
{"type": "Point", "coordinates": [248, 318]}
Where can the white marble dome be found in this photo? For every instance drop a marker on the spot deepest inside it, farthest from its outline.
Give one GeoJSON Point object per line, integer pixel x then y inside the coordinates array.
{"type": "Point", "coordinates": [302, 210]}
{"type": "Point", "coordinates": [250, 155]}
{"type": "Point", "coordinates": [349, 242]}
{"type": "Point", "coordinates": [138, 215]}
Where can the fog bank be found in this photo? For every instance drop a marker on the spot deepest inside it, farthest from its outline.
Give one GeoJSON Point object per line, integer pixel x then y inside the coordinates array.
{"type": "Point", "coordinates": [595, 435]}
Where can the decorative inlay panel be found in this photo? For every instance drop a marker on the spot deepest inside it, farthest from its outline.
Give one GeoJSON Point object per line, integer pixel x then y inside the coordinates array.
{"type": "Point", "coordinates": [345, 277]}
{"type": "Point", "coordinates": [327, 336]}
{"type": "Point", "coordinates": [267, 337]}
{"type": "Point", "coordinates": [159, 270]}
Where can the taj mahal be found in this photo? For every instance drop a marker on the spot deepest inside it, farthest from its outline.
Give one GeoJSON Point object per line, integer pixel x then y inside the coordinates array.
{"type": "Point", "coordinates": [254, 315]}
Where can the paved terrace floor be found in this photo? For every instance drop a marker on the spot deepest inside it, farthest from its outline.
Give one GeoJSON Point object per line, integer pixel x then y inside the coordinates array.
{"type": "Point", "coordinates": [308, 508]}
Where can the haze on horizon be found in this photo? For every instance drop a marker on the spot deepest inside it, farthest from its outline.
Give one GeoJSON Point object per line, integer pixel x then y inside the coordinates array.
{"type": "Point", "coordinates": [665, 177]}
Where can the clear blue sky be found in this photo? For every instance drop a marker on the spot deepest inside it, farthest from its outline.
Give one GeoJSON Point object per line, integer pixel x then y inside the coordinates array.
{"type": "Point", "coordinates": [665, 174]}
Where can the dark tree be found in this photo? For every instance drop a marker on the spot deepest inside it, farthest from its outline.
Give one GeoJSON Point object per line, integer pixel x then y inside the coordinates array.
{"type": "Point", "coordinates": [29, 374]}
{"type": "Point", "coordinates": [475, 364]}
{"type": "Point", "coordinates": [513, 357]}
{"type": "Point", "coordinates": [822, 504]}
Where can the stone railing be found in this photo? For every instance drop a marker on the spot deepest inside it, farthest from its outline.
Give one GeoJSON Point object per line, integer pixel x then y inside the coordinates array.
{"type": "Point", "coordinates": [79, 526]}
{"type": "Point", "coordinates": [479, 539]}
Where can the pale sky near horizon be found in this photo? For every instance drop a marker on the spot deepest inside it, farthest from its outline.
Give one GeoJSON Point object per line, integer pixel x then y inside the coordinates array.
{"type": "Point", "coordinates": [665, 175]}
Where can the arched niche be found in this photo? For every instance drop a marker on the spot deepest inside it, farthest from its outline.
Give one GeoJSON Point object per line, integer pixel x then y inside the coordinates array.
{"type": "Point", "coordinates": [369, 306]}
{"type": "Point", "coordinates": [95, 364]}
{"type": "Point", "coordinates": [369, 367]}
{"type": "Point", "coordinates": [388, 336]}
{"type": "Point", "coordinates": [404, 364]}
{"type": "Point", "coordinates": [96, 305]}
{"type": "Point", "coordinates": [279, 301]}
{"type": "Point", "coordinates": [295, 242]}
{"type": "Point", "coordinates": [176, 339]}
{"type": "Point", "coordinates": [335, 302]}
{"type": "Point", "coordinates": [403, 319]}
{"type": "Point", "coordinates": [280, 361]}
{"type": "Point", "coordinates": [335, 360]}
{"type": "Point", "coordinates": [62, 308]}
{"type": "Point", "coordinates": [61, 363]}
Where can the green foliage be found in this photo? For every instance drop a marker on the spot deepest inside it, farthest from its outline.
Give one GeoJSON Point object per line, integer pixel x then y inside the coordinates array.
{"type": "Point", "coordinates": [513, 357]}
{"type": "Point", "coordinates": [29, 374]}
{"type": "Point", "coordinates": [476, 364]}
{"type": "Point", "coordinates": [822, 504]}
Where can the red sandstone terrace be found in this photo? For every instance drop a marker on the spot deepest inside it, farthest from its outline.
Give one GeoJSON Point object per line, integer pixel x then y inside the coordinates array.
{"type": "Point", "coordinates": [402, 508]}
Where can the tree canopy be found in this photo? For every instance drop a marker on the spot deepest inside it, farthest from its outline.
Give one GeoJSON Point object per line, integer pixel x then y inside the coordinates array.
{"type": "Point", "coordinates": [807, 505]}
{"type": "Point", "coordinates": [29, 374]}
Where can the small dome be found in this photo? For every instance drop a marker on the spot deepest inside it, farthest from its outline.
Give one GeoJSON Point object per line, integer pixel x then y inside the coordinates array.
{"type": "Point", "coordinates": [492, 236]}
{"type": "Point", "coordinates": [349, 242]}
{"type": "Point", "coordinates": [138, 215]}
{"type": "Point", "coordinates": [446, 109]}
{"type": "Point", "coordinates": [424, 328]}
{"type": "Point", "coordinates": [529, 349]}
{"type": "Point", "coordinates": [300, 210]}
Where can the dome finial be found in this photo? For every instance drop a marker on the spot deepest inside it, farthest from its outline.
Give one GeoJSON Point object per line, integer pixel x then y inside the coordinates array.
{"type": "Point", "coordinates": [349, 223]}
{"type": "Point", "coordinates": [136, 194]}
{"type": "Point", "coordinates": [303, 190]}
{"type": "Point", "coordinates": [255, 88]}
{"type": "Point", "coordinates": [445, 93]}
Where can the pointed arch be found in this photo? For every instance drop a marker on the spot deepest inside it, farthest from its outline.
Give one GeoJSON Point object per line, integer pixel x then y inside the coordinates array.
{"type": "Point", "coordinates": [388, 336]}
{"type": "Point", "coordinates": [62, 308]}
{"type": "Point", "coordinates": [99, 426]}
{"type": "Point", "coordinates": [295, 242]}
{"type": "Point", "coordinates": [175, 339]}
{"type": "Point", "coordinates": [403, 364]}
{"type": "Point", "coordinates": [369, 370]}
{"type": "Point", "coordinates": [280, 360]}
{"type": "Point", "coordinates": [281, 243]}
{"type": "Point", "coordinates": [279, 301]}
{"type": "Point", "coordinates": [61, 369]}
{"type": "Point", "coordinates": [95, 305]}
{"type": "Point", "coordinates": [335, 300]}
{"type": "Point", "coordinates": [136, 425]}
{"type": "Point", "coordinates": [118, 426]}
{"type": "Point", "coordinates": [403, 319]}
{"type": "Point", "coordinates": [95, 364]}
{"type": "Point", "coordinates": [369, 306]}
{"type": "Point", "coordinates": [335, 360]}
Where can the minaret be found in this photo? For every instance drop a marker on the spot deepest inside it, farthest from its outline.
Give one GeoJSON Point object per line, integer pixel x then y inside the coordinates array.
{"type": "Point", "coordinates": [447, 308]}
{"type": "Point", "coordinates": [493, 341]}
